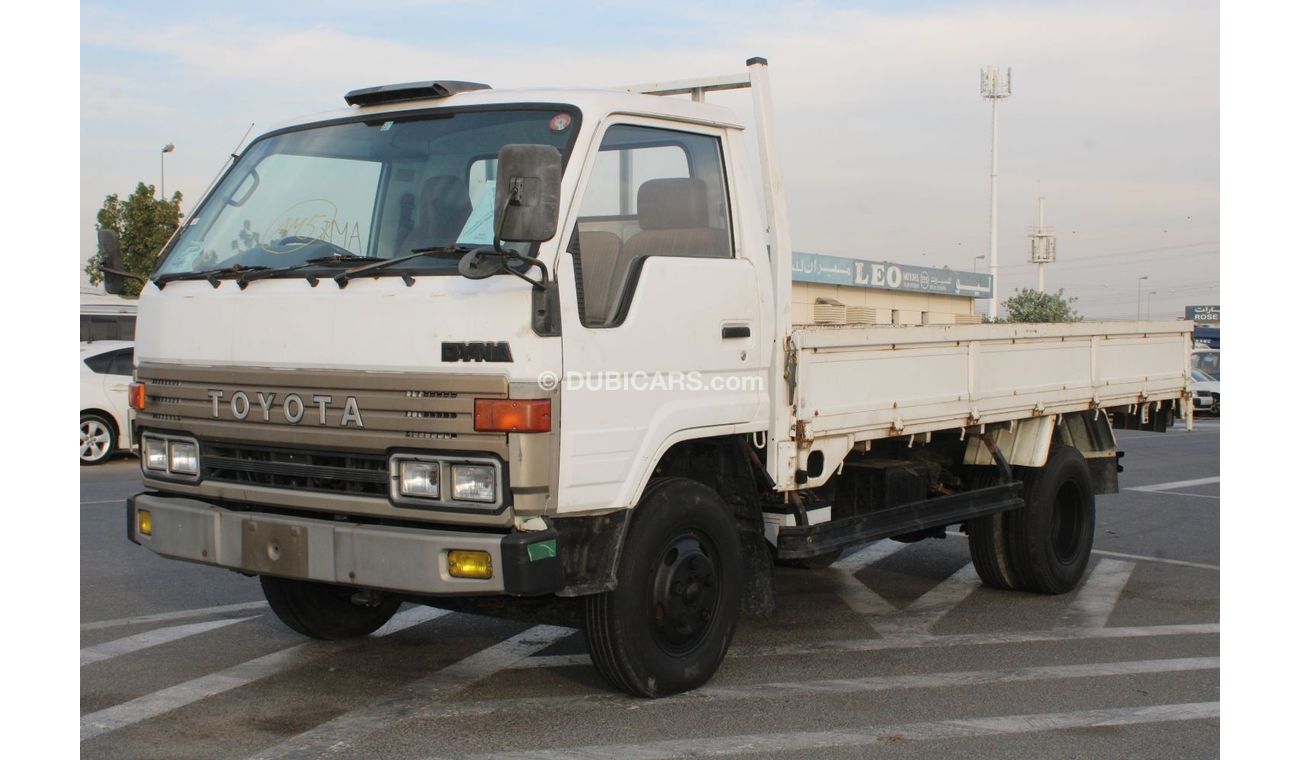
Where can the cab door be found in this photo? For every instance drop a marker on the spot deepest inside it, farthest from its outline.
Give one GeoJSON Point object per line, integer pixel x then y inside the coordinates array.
{"type": "Point", "coordinates": [661, 317]}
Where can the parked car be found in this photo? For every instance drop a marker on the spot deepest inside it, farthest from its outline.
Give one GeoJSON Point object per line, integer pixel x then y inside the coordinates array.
{"type": "Point", "coordinates": [106, 367]}
{"type": "Point", "coordinates": [1205, 393]}
{"type": "Point", "coordinates": [1206, 360]}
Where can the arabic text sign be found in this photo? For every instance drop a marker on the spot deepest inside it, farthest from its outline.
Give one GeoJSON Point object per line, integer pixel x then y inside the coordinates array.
{"type": "Point", "coordinates": [1202, 314]}
{"type": "Point", "coordinates": [836, 270]}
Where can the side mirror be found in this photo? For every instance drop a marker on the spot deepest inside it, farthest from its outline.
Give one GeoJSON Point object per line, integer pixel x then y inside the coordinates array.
{"type": "Point", "coordinates": [481, 263]}
{"type": "Point", "coordinates": [528, 193]}
{"type": "Point", "coordinates": [110, 262]}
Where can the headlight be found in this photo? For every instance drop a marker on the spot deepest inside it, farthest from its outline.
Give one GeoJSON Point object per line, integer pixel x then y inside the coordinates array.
{"type": "Point", "coordinates": [163, 454]}
{"type": "Point", "coordinates": [432, 481]}
{"type": "Point", "coordinates": [183, 457]}
{"type": "Point", "coordinates": [417, 478]}
{"type": "Point", "coordinates": [155, 453]}
{"type": "Point", "coordinates": [473, 482]}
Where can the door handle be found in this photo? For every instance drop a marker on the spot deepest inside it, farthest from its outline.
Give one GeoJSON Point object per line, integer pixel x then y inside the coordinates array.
{"type": "Point", "coordinates": [735, 331]}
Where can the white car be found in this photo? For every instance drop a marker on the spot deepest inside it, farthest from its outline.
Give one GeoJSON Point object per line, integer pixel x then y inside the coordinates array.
{"type": "Point", "coordinates": [106, 368]}
{"type": "Point", "coordinates": [1205, 393]}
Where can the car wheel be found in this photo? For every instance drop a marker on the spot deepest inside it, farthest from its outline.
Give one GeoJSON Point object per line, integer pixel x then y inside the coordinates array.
{"type": "Point", "coordinates": [667, 625]}
{"type": "Point", "coordinates": [325, 611]}
{"type": "Point", "coordinates": [98, 440]}
{"type": "Point", "coordinates": [1050, 538]}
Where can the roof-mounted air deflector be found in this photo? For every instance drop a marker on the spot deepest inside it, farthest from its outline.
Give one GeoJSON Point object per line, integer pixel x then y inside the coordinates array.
{"type": "Point", "coordinates": [395, 93]}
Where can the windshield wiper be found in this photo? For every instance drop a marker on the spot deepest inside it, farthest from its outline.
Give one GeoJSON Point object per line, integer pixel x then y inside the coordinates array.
{"type": "Point", "coordinates": [213, 276]}
{"type": "Point", "coordinates": [342, 277]}
{"type": "Point", "coordinates": [265, 272]}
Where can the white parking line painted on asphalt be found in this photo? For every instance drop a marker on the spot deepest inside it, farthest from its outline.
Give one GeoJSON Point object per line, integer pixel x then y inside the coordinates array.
{"type": "Point", "coordinates": [827, 687]}
{"type": "Point", "coordinates": [927, 640]}
{"type": "Point", "coordinates": [129, 644]}
{"type": "Point", "coordinates": [1175, 484]}
{"type": "Point", "coordinates": [931, 606]}
{"type": "Point", "coordinates": [857, 597]}
{"type": "Point", "coordinates": [164, 701]}
{"type": "Point", "coordinates": [414, 699]}
{"type": "Point", "coordinates": [804, 741]}
{"type": "Point", "coordinates": [164, 617]}
{"type": "Point", "coordinates": [869, 555]}
{"type": "Point", "coordinates": [1094, 601]}
{"type": "Point", "coordinates": [1165, 560]}
{"type": "Point", "coordinates": [853, 592]}
{"type": "Point", "coordinates": [971, 639]}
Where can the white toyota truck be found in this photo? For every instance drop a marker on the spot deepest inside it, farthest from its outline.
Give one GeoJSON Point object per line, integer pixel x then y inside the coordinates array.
{"type": "Point", "coordinates": [534, 352]}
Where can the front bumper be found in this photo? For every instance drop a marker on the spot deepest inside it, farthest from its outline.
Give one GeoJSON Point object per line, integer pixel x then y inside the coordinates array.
{"type": "Point", "coordinates": [389, 558]}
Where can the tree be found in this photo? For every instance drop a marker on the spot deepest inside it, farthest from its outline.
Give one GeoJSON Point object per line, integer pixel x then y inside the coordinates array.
{"type": "Point", "coordinates": [1032, 306]}
{"type": "Point", "coordinates": [143, 225]}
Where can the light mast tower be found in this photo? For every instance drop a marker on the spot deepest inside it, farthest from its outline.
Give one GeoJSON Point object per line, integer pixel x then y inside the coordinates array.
{"type": "Point", "coordinates": [994, 86]}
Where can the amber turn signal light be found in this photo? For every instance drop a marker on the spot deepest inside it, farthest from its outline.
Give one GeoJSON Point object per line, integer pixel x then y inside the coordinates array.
{"type": "Point", "coordinates": [527, 415]}
{"type": "Point", "coordinates": [135, 396]}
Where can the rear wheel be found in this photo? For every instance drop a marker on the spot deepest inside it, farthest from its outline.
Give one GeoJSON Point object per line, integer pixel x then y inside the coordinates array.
{"type": "Point", "coordinates": [990, 550]}
{"type": "Point", "coordinates": [98, 439]}
{"type": "Point", "coordinates": [324, 611]}
{"type": "Point", "coordinates": [1051, 537]}
{"type": "Point", "coordinates": [667, 626]}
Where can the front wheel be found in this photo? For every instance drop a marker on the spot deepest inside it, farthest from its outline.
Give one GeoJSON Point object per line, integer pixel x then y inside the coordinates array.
{"type": "Point", "coordinates": [98, 441]}
{"type": "Point", "coordinates": [667, 625]}
{"type": "Point", "coordinates": [323, 611]}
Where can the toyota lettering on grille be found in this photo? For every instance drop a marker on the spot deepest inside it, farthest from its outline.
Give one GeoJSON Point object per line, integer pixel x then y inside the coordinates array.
{"type": "Point", "coordinates": [293, 406]}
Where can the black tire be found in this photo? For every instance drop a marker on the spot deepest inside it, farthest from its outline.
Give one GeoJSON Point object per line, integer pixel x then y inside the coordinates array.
{"type": "Point", "coordinates": [667, 626]}
{"type": "Point", "coordinates": [98, 439]}
{"type": "Point", "coordinates": [1214, 406]}
{"type": "Point", "coordinates": [818, 562]}
{"type": "Point", "coordinates": [990, 550]}
{"type": "Point", "coordinates": [324, 611]}
{"type": "Point", "coordinates": [1051, 537]}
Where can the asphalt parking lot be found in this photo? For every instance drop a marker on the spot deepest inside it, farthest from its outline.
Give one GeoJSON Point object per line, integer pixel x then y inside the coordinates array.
{"type": "Point", "coordinates": [895, 651]}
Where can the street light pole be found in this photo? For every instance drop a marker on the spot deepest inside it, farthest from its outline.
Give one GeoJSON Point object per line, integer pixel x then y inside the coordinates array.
{"type": "Point", "coordinates": [1149, 294]}
{"type": "Point", "coordinates": [1140, 279]}
{"type": "Point", "coordinates": [975, 263]}
{"type": "Point", "coordinates": [162, 171]}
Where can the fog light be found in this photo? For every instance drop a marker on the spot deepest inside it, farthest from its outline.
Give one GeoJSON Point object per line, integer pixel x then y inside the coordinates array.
{"type": "Point", "coordinates": [419, 479]}
{"type": "Point", "coordinates": [144, 522]}
{"type": "Point", "coordinates": [473, 482]}
{"type": "Point", "coordinates": [155, 454]}
{"type": "Point", "coordinates": [463, 563]}
{"type": "Point", "coordinates": [183, 458]}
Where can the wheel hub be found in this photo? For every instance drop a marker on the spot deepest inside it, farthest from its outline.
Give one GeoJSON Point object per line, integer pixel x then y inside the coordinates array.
{"type": "Point", "coordinates": [684, 594]}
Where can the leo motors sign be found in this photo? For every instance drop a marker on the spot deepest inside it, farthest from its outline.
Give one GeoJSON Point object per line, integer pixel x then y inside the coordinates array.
{"type": "Point", "coordinates": [883, 275]}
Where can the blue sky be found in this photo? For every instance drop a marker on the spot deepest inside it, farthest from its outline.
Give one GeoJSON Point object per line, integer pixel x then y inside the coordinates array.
{"type": "Point", "coordinates": [883, 136]}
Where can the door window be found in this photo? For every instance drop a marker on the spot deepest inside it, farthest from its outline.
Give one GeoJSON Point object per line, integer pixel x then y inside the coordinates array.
{"type": "Point", "coordinates": [651, 192]}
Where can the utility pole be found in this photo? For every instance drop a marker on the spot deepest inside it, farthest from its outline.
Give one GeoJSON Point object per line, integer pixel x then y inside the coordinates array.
{"type": "Point", "coordinates": [1042, 244]}
{"type": "Point", "coordinates": [994, 86]}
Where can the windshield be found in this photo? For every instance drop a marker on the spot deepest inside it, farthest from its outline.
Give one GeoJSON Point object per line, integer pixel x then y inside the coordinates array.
{"type": "Point", "coordinates": [377, 188]}
{"type": "Point", "coordinates": [1201, 377]}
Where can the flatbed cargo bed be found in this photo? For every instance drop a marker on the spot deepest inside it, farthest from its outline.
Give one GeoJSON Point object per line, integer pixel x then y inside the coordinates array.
{"type": "Point", "coordinates": [872, 382]}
